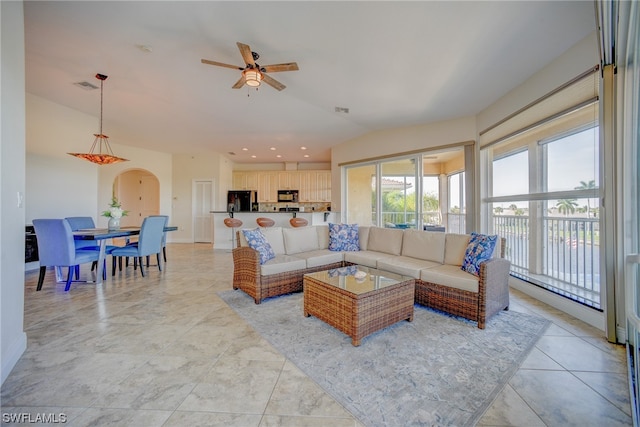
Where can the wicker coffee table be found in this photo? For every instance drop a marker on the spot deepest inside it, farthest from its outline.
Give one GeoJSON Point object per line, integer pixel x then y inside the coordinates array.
{"type": "Point", "coordinates": [358, 307]}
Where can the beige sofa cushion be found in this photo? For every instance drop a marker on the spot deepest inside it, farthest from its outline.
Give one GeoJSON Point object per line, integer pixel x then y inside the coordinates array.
{"type": "Point", "coordinates": [274, 237]}
{"type": "Point", "coordinates": [368, 258]}
{"type": "Point", "coordinates": [406, 266]}
{"type": "Point", "coordinates": [320, 257]}
{"type": "Point", "coordinates": [282, 264]}
{"type": "Point", "coordinates": [455, 247]}
{"type": "Point", "coordinates": [363, 236]}
{"type": "Point", "coordinates": [387, 240]}
{"type": "Point", "coordinates": [300, 239]}
{"type": "Point", "coordinates": [427, 245]}
{"type": "Point", "coordinates": [323, 236]}
{"type": "Point", "coordinates": [451, 276]}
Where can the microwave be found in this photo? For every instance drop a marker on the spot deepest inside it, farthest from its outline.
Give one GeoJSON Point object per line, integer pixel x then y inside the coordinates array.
{"type": "Point", "coordinates": [288, 196]}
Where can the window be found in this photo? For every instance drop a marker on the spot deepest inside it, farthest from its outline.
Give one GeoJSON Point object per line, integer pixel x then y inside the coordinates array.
{"type": "Point", "coordinates": [456, 211]}
{"type": "Point", "coordinates": [542, 193]}
{"type": "Point", "coordinates": [405, 192]}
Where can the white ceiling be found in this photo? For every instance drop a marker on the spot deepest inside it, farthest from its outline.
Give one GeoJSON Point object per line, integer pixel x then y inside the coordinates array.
{"type": "Point", "coordinates": [391, 64]}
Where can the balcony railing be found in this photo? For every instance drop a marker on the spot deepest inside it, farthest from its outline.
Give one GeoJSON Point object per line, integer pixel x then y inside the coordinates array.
{"type": "Point", "coordinates": [564, 257]}
{"type": "Point", "coordinates": [407, 218]}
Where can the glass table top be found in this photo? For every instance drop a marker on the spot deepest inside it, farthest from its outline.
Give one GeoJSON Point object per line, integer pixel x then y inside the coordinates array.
{"type": "Point", "coordinates": [345, 278]}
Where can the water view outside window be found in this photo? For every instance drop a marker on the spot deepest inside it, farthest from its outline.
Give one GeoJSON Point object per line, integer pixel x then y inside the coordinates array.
{"type": "Point", "coordinates": [545, 203]}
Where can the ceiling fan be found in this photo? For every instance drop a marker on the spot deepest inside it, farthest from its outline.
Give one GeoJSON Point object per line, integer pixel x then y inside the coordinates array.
{"type": "Point", "coordinates": [253, 73]}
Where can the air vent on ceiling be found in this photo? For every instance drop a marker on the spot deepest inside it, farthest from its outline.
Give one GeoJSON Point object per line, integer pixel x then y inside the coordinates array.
{"type": "Point", "coordinates": [86, 85]}
{"type": "Point", "coordinates": [231, 153]}
{"type": "Point", "coordinates": [344, 110]}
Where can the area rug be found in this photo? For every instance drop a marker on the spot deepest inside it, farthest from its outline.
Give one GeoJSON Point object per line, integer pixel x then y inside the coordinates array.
{"type": "Point", "coordinates": [438, 370]}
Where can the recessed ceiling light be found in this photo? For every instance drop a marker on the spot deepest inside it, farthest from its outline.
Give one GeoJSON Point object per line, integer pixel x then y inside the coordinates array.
{"type": "Point", "coordinates": [86, 85]}
{"type": "Point", "coordinates": [272, 148]}
{"type": "Point", "coordinates": [145, 48]}
{"type": "Point", "coordinates": [278, 155]}
{"type": "Point", "coordinates": [306, 155]}
{"type": "Point", "coordinates": [253, 156]}
{"type": "Point", "coordinates": [303, 148]}
{"type": "Point", "coordinates": [245, 149]}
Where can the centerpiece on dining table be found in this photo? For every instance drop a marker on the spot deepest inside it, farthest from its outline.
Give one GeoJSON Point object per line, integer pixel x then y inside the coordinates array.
{"type": "Point", "coordinates": [114, 214]}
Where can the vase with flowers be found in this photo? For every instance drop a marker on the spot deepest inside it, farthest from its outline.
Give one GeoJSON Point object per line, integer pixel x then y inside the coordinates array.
{"type": "Point", "coordinates": [114, 214]}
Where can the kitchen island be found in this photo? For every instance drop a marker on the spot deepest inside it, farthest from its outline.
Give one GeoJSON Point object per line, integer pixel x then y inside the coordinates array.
{"type": "Point", "coordinates": [222, 234]}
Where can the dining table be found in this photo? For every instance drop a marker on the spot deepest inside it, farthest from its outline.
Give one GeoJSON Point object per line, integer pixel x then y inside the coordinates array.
{"type": "Point", "coordinates": [102, 235]}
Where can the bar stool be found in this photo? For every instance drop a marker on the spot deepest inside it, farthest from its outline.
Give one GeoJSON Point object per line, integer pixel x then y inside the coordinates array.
{"type": "Point", "coordinates": [233, 223]}
{"type": "Point", "coordinates": [265, 222]}
{"type": "Point", "coordinates": [298, 222]}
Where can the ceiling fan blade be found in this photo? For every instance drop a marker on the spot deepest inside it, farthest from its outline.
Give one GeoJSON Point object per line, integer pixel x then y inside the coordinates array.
{"type": "Point", "coordinates": [239, 83]}
{"type": "Point", "coordinates": [289, 66]}
{"type": "Point", "coordinates": [220, 64]}
{"type": "Point", "coordinates": [272, 82]}
{"type": "Point", "coordinates": [245, 51]}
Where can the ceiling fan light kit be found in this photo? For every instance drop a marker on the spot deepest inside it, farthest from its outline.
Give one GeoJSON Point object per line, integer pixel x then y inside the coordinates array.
{"type": "Point", "coordinates": [252, 77]}
{"type": "Point", "coordinates": [252, 73]}
{"type": "Point", "coordinates": [105, 155]}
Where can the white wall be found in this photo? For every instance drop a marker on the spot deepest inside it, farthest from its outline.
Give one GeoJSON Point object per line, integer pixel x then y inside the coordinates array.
{"type": "Point", "coordinates": [60, 185]}
{"type": "Point", "coordinates": [13, 340]}
{"type": "Point", "coordinates": [581, 57]}
{"type": "Point", "coordinates": [189, 167]}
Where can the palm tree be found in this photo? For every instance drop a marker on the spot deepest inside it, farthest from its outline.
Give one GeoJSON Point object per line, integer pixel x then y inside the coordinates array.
{"type": "Point", "coordinates": [591, 185]}
{"type": "Point", "coordinates": [567, 206]}
{"type": "Point", "coordinates": [513, 207]}
{"type": "Point", "coordinates": [498, 209]}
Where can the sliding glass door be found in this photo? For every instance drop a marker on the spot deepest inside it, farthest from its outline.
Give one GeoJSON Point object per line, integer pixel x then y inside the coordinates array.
{"type": "Point", "coordinates": [408, 192]}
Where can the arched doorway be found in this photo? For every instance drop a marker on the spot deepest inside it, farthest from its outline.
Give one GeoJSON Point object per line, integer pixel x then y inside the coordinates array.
{"type": "Point", "coordinates": [138, 191]}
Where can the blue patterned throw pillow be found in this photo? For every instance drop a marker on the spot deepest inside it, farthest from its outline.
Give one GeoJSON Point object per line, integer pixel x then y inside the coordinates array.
{"type": "Point", "coordinates": [344, 237]}
{"type": "Point", "coordinates": [479, 250]}
{"type": "Point", "coordinates": [256, 240]}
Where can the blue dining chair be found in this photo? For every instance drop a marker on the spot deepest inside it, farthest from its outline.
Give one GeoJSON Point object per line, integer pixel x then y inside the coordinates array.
{"type": "Point", "coordinates": [80, 223]}
{"type": "Point", "coordinates": [83, 223]}
{"type": "Point", "coordinates": [56, 248]}
{"type": "Point", "coordinates": [163, 244]}
{"type": "Point", "coordinates": [149, 242]}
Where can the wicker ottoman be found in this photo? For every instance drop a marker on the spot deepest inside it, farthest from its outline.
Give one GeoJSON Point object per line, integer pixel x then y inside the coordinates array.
{"type": "Point", "coordinates": [358, 307]}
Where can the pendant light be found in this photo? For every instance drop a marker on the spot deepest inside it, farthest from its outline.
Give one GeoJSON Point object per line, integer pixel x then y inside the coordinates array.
{"type": "Point", "coordinates": [104, 155]}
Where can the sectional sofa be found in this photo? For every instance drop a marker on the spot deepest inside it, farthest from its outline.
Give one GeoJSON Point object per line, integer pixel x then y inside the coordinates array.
{"type": "Point", "coordinates": [433, 259]}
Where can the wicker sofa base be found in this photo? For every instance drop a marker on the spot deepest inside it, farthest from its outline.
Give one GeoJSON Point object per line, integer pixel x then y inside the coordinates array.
{"type": "Point", "coordinates": [260, 287]}
{"type": "Point", "coordinates": [458, 302]}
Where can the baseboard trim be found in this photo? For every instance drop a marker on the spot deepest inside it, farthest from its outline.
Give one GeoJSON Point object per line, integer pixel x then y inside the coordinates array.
{"type": "Point", "coordinates": [588, 315]}
{"type": "Point", "coordinates": [15, 351]}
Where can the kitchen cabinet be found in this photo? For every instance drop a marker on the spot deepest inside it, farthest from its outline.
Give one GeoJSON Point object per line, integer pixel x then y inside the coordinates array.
{"type": "Point", "coordinates": [307, 192]}
{"type": "Point", "coordinates": [268, 187]}
{"type": "Point", "coordinates": [289, 180]}
{"type": "Point", "coordinates": [322, 183]}
{"type": "Point", "coordinates": [313, 185]}
{"type": "Point", "coordinates": [245, 180]}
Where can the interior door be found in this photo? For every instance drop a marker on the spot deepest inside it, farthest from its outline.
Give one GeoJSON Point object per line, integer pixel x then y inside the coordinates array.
{"type": "Point", "coordinates": [202, 206]}
{"type": "Point", "coordinates": [139, 193]}
{"type": "Point", "coordinates": [149, 195]}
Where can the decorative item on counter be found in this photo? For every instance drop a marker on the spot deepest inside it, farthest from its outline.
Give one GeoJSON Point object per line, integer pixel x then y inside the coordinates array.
{"type": "Point", "coordinates": [114, 214]}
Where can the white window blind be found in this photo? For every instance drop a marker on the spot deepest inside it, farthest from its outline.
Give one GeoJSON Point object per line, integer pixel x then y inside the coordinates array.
{"type": "Point", "coordinates": [574, 95]}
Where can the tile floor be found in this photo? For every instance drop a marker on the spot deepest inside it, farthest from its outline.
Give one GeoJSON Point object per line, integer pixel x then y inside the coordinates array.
{"type": "Point", "coordinates": [164, 350]}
